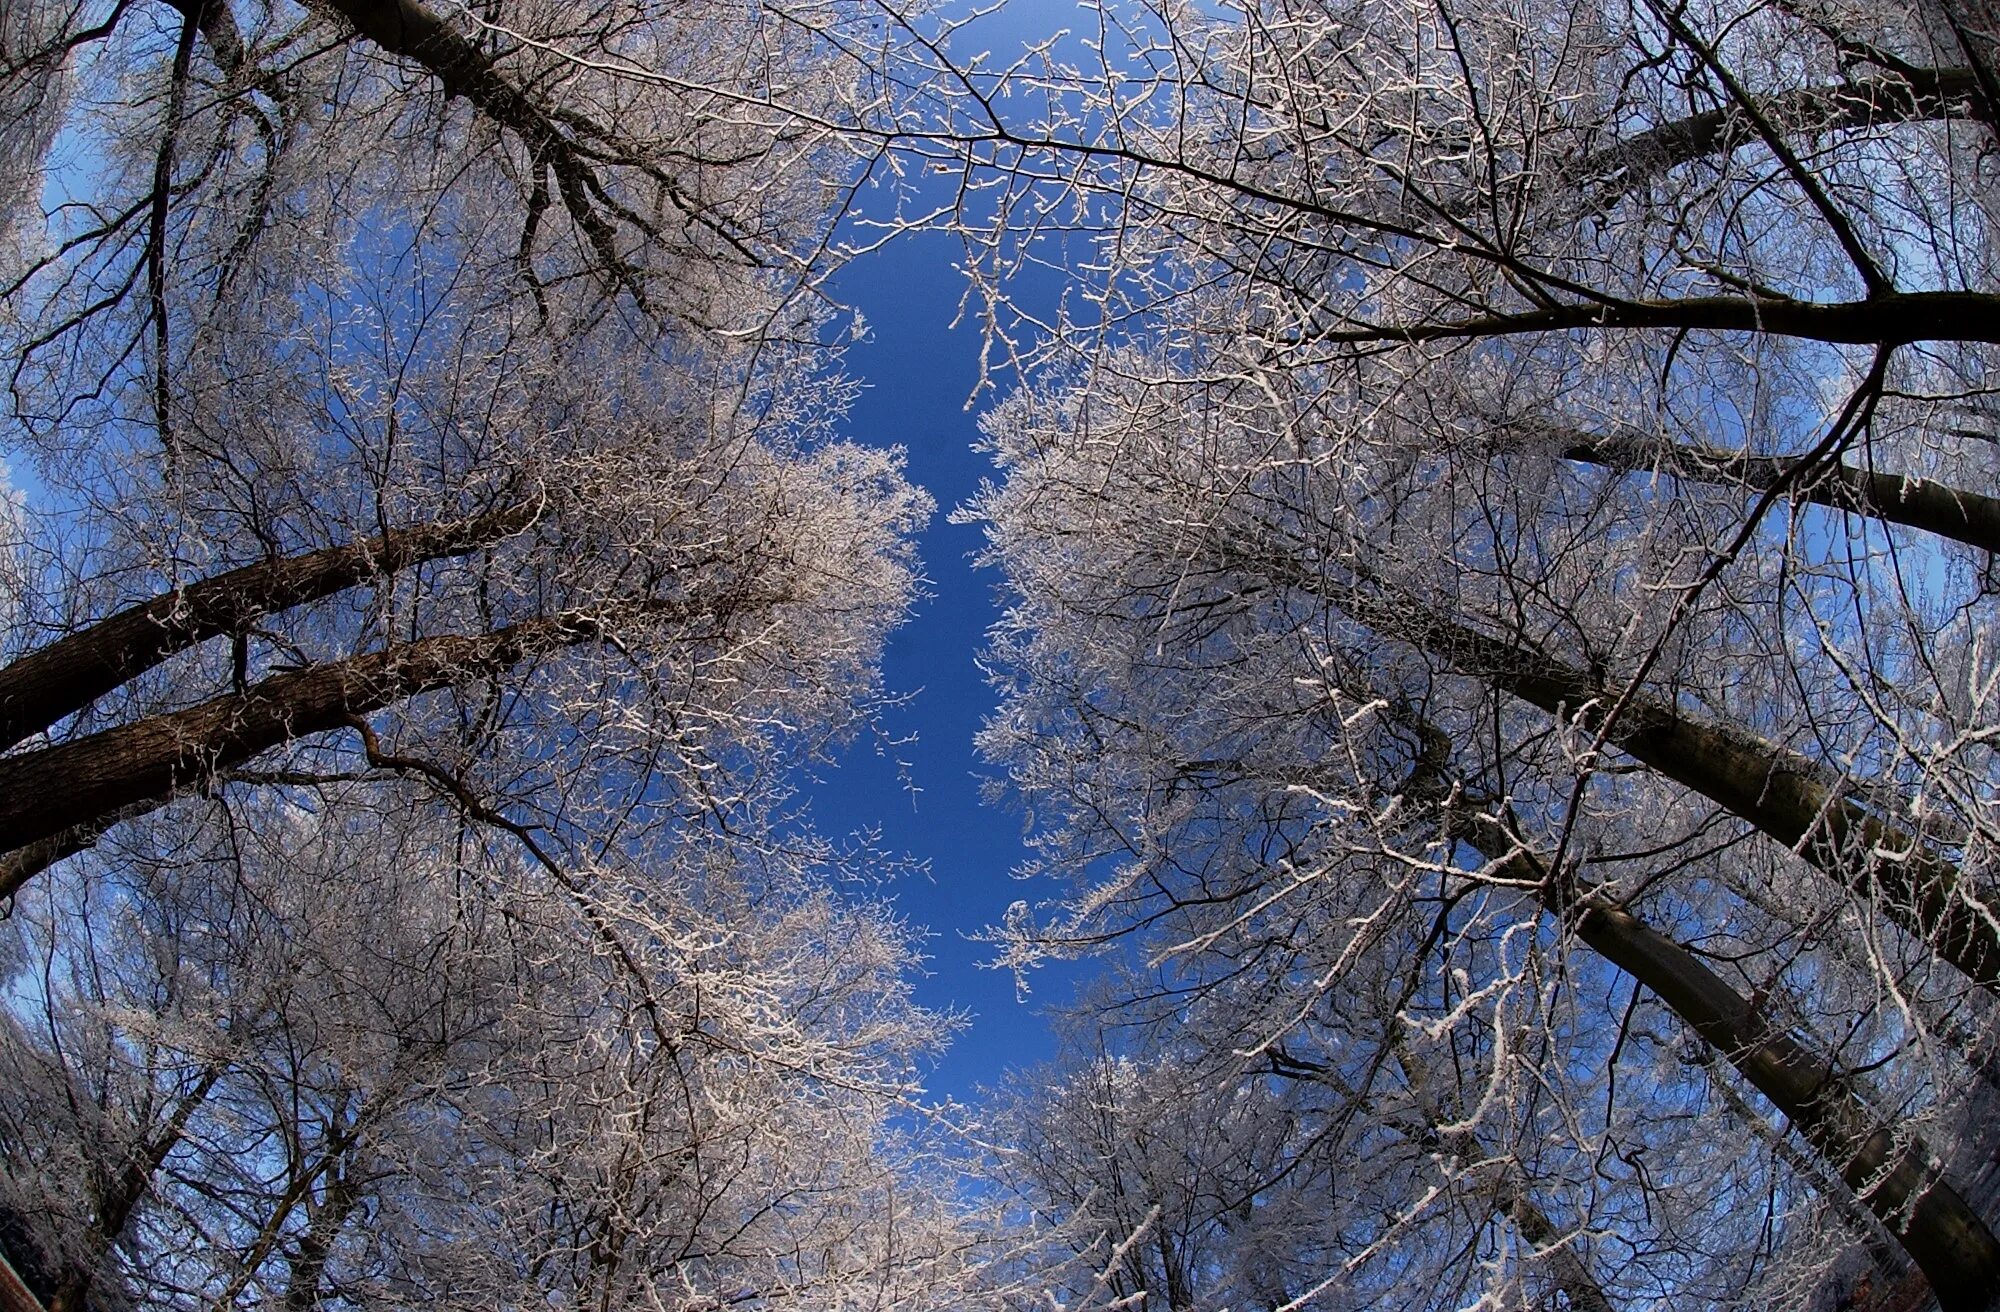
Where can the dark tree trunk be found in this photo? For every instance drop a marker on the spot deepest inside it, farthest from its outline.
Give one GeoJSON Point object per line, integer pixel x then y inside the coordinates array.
{"type": "Point", "coordinates": [324, 1222]}
{"type": "Point", "coordinates": [1972, 27]}
{"type": "Point", "coordinates": [1787, 796]}
{"type": "Point", "coordinates": [1510, 1199]}
{"type": "Point", "coordinates": [1921, 95]}
{"type": "Point", "coordinates": [1890, 1172]}
{"type": "Point", "coordinates": [1920, 503]}
{"type": "Point", "coordinates": [137, 767]}
{"type": "Point", "coordinates": [411, 30]}
{"type": "Point", "coordinates": [1887, 319]}
{"type": "Point", "coordinates": [56, 681]}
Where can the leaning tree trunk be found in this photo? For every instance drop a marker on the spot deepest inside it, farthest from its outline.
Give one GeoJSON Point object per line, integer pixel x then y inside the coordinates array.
{"type": "Point", "coordinates": [1893, 1173]}
{"type": "Point", "coordinates": [1790, 797]}
{"type": "Point", "coordinates": [137, 767]}
{"type": "Point", "coordinates": [1919, 503]}
{"type": "Point", "coordinates": [56, 681]}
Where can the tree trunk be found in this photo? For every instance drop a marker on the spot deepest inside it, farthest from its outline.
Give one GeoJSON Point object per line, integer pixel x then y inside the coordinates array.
{"type": "Point", "coordinates": [137, 767]}
{"type": "Point", "coordinates": [1973, 28]}
{"type": "Point", "coordinates": [410, 30]}
{"type": "Point", "coordinates": [1892, 1173]}
{"type": "Point", "coordinates": [1571, 1275]}
{"type": "Point", "coordinates": [56, 681]}
{"type": "Point", "coordinates": [324, 1222]}
{"type": "Point", "coordinates": [1565, 1266]}
{"type": "Point", "coordinates": [1886, 319]}
{"type": "Point", "coordinates": [1920, 503]}
{"type": "Point", "coordinates": [24, 863]}
{"type": "Point", "coordinates": [1921, 95]}
{"type": "Point", "coordinates": [1789, 797]}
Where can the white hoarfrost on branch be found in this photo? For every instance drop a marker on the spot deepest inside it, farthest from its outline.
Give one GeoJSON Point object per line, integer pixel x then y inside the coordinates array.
{"type": "Point", "coordinates": [435, 560]}
{"type": "Point", "coordinates": [1501, 547]}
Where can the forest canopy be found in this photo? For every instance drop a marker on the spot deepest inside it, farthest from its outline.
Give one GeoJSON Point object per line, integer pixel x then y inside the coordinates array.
{"type": "Point", "coordinates": [1497, 535]}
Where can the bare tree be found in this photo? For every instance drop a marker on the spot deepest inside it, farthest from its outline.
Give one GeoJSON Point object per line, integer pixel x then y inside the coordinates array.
{"type": "Point", "coordinates": [1573, 418]}
{"type": "Point", "coordinates": [1156, 1179]}
{"type": "Point", "coordinates": [351, 1059]}
{"type": "Point", "coordinates": [430, 554]}
{"type": "Point", "coordinates": [315, 368]}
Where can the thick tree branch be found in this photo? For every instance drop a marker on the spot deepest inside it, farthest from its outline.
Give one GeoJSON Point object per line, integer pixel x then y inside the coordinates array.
{"type": "Point", "coordinates": [409, 29]}
{"type": "Point", "coordinates": [325, 1218]}
{"type": "Point", "coordinates": [1553, 1245]}
{"type": "Point", "coordinates": [334, 1165]}
{"type": "Point", "coordinates": [1788, 796]}
{"type": "Point", "coordinates": [217, 23]}
{"type": "Point", "coordinates": [1974, 26]}
{"type": "Point", "coordinates": [1921, 503]}
{"type": "Point", "coordinates": [1891, 1170]}
{"type": "Point", "coordinates": [1890, 319]}
{"type": "Point", "coordinates": [117, 1197]}
{"type": "Point", "coordinates": [57, 681]}
{"type": "Point", "coordinates": [137, 767]}
{"type": "Point", "coordinates": [24, 863]}
{"type": "Point", "coordinates": [156, 239]}
{"type": "Point", "coordinates": [1920, 95]}
{"type": "Point", "coordinates": [1806, 180]}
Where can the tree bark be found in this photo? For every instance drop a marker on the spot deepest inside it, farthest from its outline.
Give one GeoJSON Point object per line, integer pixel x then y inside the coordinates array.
{"type": "Point", "coordinates": [1566, 1267]}
{"type": "Point", "coordinates": [1888, 319]}
{"type": "Point", "coordinates": [324, 1222]}
{"type": "Point", "coordinates": [1571, 1275]}
{"type": "Point", "coordinates": [24, 863]}
{"type": "Point", "coordinates": [137, 767]}
{"type": "Point", "coordinates": [217, 22]}
{"type": "Point", "coordinates": [1892, 1173]}
{"type": "Point", "coordinates": [1973, 27]}
{"type": "Point", "coordinates": [1920, 503]}
{"type": "Point", "coordinates": [1789, 797]}
{"type": "Point", "coordinates": [1921, 95]}
{"type": "Point", "coordinates": [410, 30]}
{"type": "Point", "coordinates": [54, 682]}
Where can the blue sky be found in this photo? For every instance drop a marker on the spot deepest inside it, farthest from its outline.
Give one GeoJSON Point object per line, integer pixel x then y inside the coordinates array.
{"type": "Point", "coordinates": [920, 373]}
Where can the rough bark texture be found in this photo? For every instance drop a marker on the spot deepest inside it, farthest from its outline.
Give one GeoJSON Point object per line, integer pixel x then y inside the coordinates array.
{"type": "Point", "coordinates": [1892, 1173]}
{"type": "Point", "coordinates": [1920, 503]}
{"type": "Point", "coordinates": [139, 766]}
{"type": "Point", "coordinates": [56, 681]}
